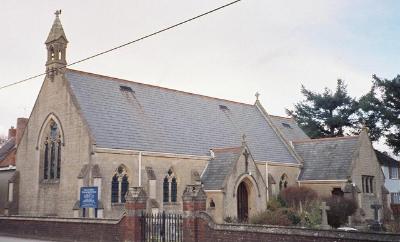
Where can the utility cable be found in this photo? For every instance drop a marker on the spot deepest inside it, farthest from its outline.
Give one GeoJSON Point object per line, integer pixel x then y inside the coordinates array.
{"type": "Point", "coordinates": [123, 45]}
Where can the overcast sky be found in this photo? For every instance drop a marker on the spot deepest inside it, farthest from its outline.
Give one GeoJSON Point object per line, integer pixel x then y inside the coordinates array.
{"type": "Point", "coordinates": [255, 45]}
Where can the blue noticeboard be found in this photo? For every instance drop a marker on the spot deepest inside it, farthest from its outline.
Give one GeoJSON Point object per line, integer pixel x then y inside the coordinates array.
{"type": "Point", "coordinates": [89, 197]}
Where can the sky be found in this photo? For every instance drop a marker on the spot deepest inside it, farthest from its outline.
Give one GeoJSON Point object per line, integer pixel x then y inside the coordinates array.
{"type": "Point", "coordinates": [270, 47]}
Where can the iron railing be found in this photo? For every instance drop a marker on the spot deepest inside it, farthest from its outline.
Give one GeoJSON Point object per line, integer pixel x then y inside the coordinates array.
{"type": "Point", "coordinates": [161, 227]}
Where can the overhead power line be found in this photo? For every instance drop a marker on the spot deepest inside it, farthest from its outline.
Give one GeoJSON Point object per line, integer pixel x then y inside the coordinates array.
{"type": "Point", "coordinates": [125, 44]}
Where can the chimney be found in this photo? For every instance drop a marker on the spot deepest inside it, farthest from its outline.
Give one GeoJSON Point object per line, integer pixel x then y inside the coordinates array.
{"type": "Point", "coordinates": [21, 124]}
{"type": "Point", "coordinates": [12, 132]}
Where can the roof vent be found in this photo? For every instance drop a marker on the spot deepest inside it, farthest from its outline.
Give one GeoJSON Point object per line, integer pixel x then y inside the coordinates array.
{"type": "Point", "coordinates": [223, 107]}
{"type": "Point", "coordinates": [126, 89]}
{"type": "Point", "coordinates": [286, 125]}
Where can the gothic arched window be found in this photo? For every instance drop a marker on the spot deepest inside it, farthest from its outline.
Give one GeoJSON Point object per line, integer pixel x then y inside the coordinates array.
{"type": "Point", "coordinates": [52, 152]}
{"type": "Point", "coordinates": [174, 188]}
{"type": "Point", "coordinates": [170, 187]}
{"type": "Point", "coordinates": [166, 190]}
{"type": "Point", "coordinates": [283, 183]}
{"type": "Point", "coordinates": [119, 185]}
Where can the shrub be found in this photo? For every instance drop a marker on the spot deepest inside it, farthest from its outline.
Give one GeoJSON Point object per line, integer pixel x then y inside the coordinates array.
{"type": "Point", "coordinates": [274, 204]}
{"type": "Point", "coordinates": [340, 209]}
{"type": "Point", "coordinates": [293, 195]}
{"type": "Point", "coordinates": [393, 226]}
{"type": "Point", "coordinates": [293, 216]}
{"type": "Point", "coordinates": [311, 217]}
{"type": "Point", "coordinates": [277, 217]}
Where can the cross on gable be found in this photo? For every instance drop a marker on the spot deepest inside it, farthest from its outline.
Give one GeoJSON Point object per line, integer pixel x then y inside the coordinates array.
{"type": "Point", "coordinates": [246, 159]}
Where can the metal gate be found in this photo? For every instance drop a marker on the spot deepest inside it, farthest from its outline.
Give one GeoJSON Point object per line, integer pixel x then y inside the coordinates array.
{"type": "Point", "coordinates": [161, 227]}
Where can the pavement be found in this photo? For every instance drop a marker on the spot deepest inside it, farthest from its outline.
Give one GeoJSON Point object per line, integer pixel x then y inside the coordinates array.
{"type": "Point", "coordinates": [14, 239]}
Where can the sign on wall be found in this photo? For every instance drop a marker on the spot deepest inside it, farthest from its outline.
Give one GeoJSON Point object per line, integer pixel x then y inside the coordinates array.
{"type": "Point", "coordinates": [89, 197]}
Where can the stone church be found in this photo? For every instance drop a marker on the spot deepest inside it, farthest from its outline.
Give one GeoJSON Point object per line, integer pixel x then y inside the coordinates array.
{"type": "Point", "coordinates": [91, 130]}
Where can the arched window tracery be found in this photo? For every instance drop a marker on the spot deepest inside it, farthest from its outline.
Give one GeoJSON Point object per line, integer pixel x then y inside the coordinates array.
{"type": "Point", "coordinates": [119, 185]}
{"type": "Point", "coordinates": [283, 183]}
{"type": "Point", "coordinates": [170, 187]}
{"type": "Point", "coordinates": [52, 152]}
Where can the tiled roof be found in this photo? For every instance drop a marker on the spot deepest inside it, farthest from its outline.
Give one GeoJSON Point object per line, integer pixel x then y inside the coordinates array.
{"type": "Point", "coordinates": [288, 128]}
{"type": "Point", "coordinates": [219, 167]}
{"type": "Point", "coordinates": [327, 158]}
{"type": "Point", "coordinates": [131, 115]}
{"type": "Point", "coordinates": [7, 148]}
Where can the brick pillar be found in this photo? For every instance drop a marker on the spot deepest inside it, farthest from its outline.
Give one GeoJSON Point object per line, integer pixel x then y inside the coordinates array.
{"type": "Point", "coordinates": [194, 202]}
{"type": "Point", "coordinates": [12, 132]}
{"type": "Point", "coordinates": [135, 204]}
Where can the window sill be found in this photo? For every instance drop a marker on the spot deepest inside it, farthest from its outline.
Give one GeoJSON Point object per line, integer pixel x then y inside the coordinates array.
{"type": "Point", "coordinates": [171, 203]}
{"type": "Point", "coordinates": [117, 204]}
{"type": "Point", "coordinates": [49, 182]}
{"type": "Point", "coordinates": [368, 194]}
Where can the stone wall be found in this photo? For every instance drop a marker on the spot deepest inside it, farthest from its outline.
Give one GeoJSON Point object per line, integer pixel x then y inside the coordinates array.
{"type": "Point", "coordinates": [366, 163]}
{"type": "Point", "coordinates": [38, 197]}
{"type": "Point", "coordinates": [323, 189]}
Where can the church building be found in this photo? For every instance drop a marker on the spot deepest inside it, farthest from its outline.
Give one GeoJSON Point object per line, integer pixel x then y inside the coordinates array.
{"type": "Point", "coordinates": [87, 129]}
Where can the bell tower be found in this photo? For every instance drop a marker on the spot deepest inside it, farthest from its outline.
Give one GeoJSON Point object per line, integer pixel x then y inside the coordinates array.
{"type": "Point", "coordinates": [56, 45]}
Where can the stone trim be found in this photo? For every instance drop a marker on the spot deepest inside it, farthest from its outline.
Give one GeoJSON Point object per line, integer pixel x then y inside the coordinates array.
{"type": "Point", "coordinates": [149, 153]}
{"type": "Point", "coordinates": [322, 181]}
{"type": "Point", "coordinates": [274, 163]}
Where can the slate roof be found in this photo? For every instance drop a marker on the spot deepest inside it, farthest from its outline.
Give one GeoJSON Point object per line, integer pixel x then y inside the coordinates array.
{"type": "Point", "coordinates": [327, 158]}
{"type": "Point", "coordinates": [386, 160]}
{"type": "Point", "coordinates": [288, 128]}
{"type": "Point", "coordinates": [218, 168]}
{"type": "Point", "coordinates": [151, 118]}
{"type": "Point", "coordinates": [7, 148]}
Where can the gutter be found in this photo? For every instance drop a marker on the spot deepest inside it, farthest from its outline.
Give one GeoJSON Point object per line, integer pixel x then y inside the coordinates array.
{"type": "Point", "coordinates": [150, 153]}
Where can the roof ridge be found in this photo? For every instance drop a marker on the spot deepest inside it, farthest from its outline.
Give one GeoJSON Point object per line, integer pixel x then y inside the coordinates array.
{"type": "Point", "coordinates": [326, 139]}
{"type": "Point", "coordinates": [227, 149]}
{"type": "Point", "coordinates": [277, 116]}
{"type": "Point", "coordinates": [155, 86]}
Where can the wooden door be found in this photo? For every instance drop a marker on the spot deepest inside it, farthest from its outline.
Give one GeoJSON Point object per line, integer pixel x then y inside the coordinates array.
{"type": "Point", "coordinates": [242, 203]}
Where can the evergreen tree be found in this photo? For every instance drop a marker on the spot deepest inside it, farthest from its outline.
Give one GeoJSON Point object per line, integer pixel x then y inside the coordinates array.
{"type": "Point", "coordinates": [325, 114]}
{"type": "Point", "coordinates": [381, 110]}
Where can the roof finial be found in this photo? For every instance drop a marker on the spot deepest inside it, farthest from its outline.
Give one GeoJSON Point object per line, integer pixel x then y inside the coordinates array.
{"type": "Point", "coordinates": [58, 12]}
{"type": "Point", "coordinates": [257, 95]}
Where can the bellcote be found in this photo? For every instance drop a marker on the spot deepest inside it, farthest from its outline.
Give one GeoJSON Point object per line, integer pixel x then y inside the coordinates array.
{"type": "Point", "coordinates": [56, 45]}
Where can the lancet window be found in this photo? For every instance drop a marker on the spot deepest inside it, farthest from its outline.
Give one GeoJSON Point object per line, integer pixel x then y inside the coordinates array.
{"type": "Point", "coordinates": [170, 187]}
{"type": "Point", "coordinates": [52, 152]}
{"type": "Point", "coordinates": [283, 183]}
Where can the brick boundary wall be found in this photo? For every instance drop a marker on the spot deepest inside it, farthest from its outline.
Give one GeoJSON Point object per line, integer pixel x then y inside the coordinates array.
{"type": "Point", "coordinates": [209, 231]}
{"type": "Point", "coordinates": [197, 225]}
{"type": "Point", "coordinates": [61, 229]}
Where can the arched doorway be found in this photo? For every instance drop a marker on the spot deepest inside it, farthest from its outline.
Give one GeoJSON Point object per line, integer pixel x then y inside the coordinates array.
{"type": "Point", "coordinates": [242, 202]}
